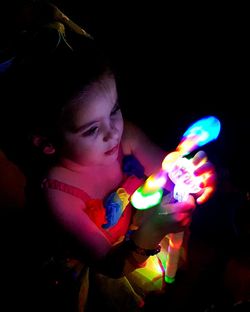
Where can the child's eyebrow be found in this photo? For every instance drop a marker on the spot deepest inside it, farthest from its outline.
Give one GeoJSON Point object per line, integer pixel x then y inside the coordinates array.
{"type": "Point", "coordinates": [85, 126]}
{"type": "Point", "coordinates": [88, 124]}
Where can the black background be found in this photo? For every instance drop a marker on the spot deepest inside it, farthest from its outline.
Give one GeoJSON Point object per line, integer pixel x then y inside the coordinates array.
{"type": "Point", "coordinates": [176, 63]}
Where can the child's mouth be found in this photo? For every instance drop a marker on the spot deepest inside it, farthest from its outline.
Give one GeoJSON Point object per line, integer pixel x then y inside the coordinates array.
{"type": "Point", "coordinates": [112, 150]}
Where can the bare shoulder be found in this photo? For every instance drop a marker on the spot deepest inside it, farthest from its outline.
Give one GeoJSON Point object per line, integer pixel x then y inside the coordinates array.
{"type": "Point", "coordinates": [135, 141]}
{"type": "Point", "coordinates": [55, 172]}
{"type": "Point", "coordinates": [131, 129]}
{"type": "Point", "coordinates": [131, 135]}
{"type": "Point", "coordinates": [70, 213]}
{"type": "Point", "coordinates": [58, 199]}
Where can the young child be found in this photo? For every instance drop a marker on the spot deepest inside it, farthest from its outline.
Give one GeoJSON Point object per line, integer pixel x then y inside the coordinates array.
{"type": "Point", "coordinates": [96, 160]}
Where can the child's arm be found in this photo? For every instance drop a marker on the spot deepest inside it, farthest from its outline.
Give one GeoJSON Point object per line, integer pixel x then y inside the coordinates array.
{"type": "Point", "coordinates": [68, 212]}
{"type": "Point", "coordinates": [135, 142]}
{"type": "Point", "coordinates": [151, 156]}
{"type": "Point", "coordinates": [94, 247]}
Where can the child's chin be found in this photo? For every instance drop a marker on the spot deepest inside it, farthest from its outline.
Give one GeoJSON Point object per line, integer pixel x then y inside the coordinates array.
{"type": "Point", "coordinates": [113, 151]}
{"type": "Point", "coordinates": [110, 158]}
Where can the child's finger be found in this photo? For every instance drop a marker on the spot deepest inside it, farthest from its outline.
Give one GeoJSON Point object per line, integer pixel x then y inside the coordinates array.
{"type": "Point", "coordinates": [182, 218]}
{"type": "Point", "coordinates": [177, 207]}
{"type": "Point", "coordinates": [205, 195]}
{"type": "Point", "coordinates": [207, 167]}
{"type": "Point", "coordinates": [199, 157]}
{"type": "Point", "coordinates": [209, 180]}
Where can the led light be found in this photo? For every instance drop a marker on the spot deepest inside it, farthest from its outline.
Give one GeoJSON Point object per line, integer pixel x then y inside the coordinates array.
{"type": "Point", "coordinates": [141, 201]}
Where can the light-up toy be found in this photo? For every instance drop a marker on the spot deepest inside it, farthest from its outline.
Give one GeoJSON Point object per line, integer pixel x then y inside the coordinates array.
{"type": "Point", "coordinates": [180, 170]}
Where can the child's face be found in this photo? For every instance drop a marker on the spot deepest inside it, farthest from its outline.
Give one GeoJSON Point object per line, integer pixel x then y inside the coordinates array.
{"type": "Point", "coordinates": [96, 125]}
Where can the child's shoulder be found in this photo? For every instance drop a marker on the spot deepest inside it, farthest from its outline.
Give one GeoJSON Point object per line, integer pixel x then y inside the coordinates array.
{"type": "Point", "coordinates": [55, 172]}
{"type": "Point", "coordinates": [130, 128]}
{"type": "Point", "coordinates": [90, 182]}
{"type": "Point", "coordinates": [131, 135]}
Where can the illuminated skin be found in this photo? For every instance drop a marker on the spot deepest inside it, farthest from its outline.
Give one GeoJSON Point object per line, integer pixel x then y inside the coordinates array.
{"type": "Point", "coordinates": [89, 159]}
{"type": "Point", "coordinates": [94, 135]}
{"type": "Point", "coordinates": [93, 139]}
{"type": "Point", "coordinates": [188, 176]}
{"type": "Point", "coordinates": [181, 172]}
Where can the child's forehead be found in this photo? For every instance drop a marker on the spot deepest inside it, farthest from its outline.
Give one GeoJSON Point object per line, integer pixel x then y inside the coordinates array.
{"type": "Point", "coordinates": [92, 102]}
{"type": "Point", "coordinates": [105, 84]}
{"type": "Point", "coordinates": [92, 107]}
{"type": "Point", "coordinates": [104, 87]}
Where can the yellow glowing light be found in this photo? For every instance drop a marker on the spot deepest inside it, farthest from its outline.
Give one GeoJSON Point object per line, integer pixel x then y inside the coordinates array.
{"type": "Point", "coordinates": [154, 183]}
{"type": "Point", "coordinates": [185, 146]}
{"type": "Point", "coordinates": [169, 161]}
{"type": "Point", "coordinates": [141, 201]}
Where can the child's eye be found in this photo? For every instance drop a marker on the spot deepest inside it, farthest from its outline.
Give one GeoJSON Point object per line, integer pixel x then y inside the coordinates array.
{"type": "Point", "coordinates": [115, 109]}
{"type": "Point", "coordinates": [90, 132]}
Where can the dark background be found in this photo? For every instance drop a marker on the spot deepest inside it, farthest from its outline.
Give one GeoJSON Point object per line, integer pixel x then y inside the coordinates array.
{"type": "Point", "coordinates": [176, 63]}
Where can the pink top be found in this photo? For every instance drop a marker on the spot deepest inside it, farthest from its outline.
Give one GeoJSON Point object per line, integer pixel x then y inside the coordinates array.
{"type": "Point", "coordinates": [95, 208]}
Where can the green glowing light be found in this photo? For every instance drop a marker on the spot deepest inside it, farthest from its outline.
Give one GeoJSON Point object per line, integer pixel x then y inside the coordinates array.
{"type": "Point", "coordinates": [169, 279]}
{"type": "Point", "coordinates": [145, 201]}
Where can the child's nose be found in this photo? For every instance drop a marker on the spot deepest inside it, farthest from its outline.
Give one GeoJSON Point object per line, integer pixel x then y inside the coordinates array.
{"type": "Point", "coordinates": [111, 133]}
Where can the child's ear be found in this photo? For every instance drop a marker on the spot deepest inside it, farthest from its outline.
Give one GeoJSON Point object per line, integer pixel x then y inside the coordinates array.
{"type": "Point", "coordinates": [43, 144]}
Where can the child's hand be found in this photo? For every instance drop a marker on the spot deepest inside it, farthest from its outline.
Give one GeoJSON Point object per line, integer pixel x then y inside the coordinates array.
{"type": "Point", "coordinates": [206, 170]}
{"type": "Point", "coordinates": [170, 217]}
{"type": "Point", "coordinates": [164, 219]}
{"type": "Point", "coordinates": [178, 214]}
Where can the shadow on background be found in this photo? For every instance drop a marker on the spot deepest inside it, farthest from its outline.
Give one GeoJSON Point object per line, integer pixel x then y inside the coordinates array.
{"type": "Point", "coordinates": [174, 65]}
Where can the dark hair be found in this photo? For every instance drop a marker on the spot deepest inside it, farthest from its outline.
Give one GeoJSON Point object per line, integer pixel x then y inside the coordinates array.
{"type": "Point", "coordinates": [47, 84]}
{"type": "Point", "coordinates": [40, 84]}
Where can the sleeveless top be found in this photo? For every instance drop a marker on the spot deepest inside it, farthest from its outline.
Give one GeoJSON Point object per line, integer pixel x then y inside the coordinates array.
{"type": "Point", "coordinates": [113, 216]}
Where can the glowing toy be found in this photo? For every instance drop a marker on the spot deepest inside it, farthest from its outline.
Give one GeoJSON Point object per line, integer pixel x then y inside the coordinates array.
{"type": "Point", "coordinates": [180, 170]}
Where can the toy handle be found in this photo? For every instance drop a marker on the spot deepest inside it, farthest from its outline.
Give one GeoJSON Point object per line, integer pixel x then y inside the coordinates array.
{"type": "Point", "coordinates": [185, 183]}
{"type": "Point", "coordinates": [175, 241]}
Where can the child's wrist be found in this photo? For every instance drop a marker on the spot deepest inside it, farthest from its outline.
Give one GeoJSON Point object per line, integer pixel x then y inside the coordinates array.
{"type": "Point", "coordinates": [141, 250]}
{"type": "Point", "coordinates": [143, 244]}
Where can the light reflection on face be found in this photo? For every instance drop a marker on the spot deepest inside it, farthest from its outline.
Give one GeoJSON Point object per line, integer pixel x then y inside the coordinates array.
{"type": "Point", "coordinates": [96, 125]}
